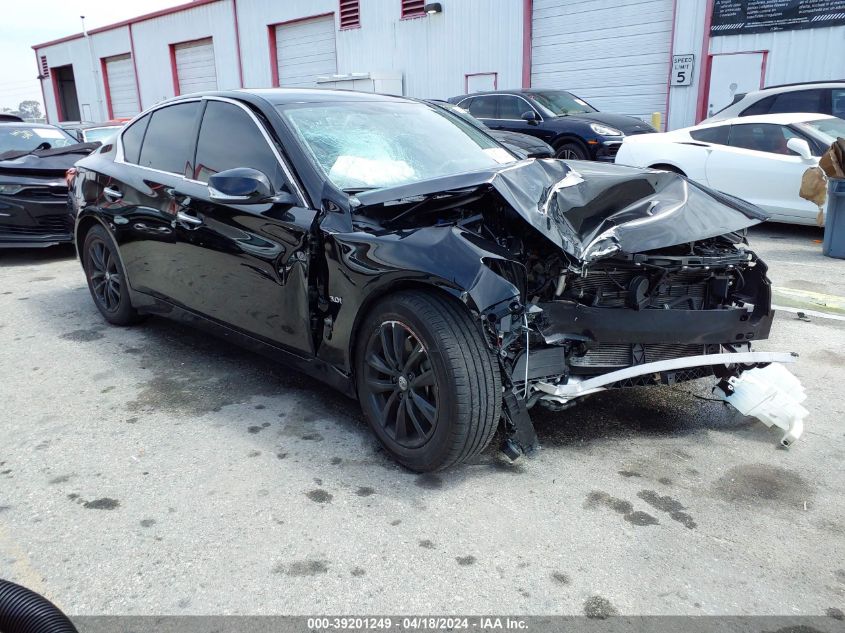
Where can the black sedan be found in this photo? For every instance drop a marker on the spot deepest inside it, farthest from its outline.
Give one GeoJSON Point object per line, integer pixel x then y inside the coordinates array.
{"type": "Point", "coordinates": [447, 285]}
{"type": "Point", "coordinates": [34, 208]}
{"type": "Point", "coordinates": [574, 128]}
{"type": "Point", "coordinates": [523, 145]}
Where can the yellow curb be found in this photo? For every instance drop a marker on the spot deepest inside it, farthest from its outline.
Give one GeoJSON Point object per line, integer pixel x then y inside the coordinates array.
{"type": "Point", "coordinates": [808, 299]}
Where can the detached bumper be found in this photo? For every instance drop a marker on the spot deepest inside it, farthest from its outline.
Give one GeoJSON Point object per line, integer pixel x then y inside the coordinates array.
{"type": "Point", "coordinates": [577, 388]}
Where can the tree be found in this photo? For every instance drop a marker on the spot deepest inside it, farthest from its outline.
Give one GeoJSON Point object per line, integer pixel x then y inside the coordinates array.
{"type": "Point", "coordinates": [30, 109]}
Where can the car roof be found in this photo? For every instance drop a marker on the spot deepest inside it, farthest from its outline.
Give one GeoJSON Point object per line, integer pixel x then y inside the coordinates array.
{"type": "Point", "coordinates": [785, 118]}
{"type": "Point", "coordinates": [768, 90]}
{"type": "Point", "coordinates": [280, 96]}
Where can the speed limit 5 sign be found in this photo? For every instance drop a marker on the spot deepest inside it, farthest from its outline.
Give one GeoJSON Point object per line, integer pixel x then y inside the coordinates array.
{"type": "Point", "coordinates": [682, 69]}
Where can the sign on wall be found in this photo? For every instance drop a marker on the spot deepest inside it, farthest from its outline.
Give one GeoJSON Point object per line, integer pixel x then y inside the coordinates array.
{"type": "Point", "coordinates": [682, 69]}
{"type": "Point", "coordinates": [733, 17]}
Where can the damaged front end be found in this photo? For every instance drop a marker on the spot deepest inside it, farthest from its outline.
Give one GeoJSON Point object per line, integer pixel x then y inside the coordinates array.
{"type": "Point", "coordinates": [621, 277]}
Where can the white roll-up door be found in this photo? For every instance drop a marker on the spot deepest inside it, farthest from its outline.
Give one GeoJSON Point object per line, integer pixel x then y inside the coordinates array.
{"type": "Point", "coordinates": [195, 66]}
{"type": "Point", "coordinates": [305, 50]}
{"type": "Point", "coordinates": [612, 53]}
{"type": "Point", "coordinates": [123, 91]}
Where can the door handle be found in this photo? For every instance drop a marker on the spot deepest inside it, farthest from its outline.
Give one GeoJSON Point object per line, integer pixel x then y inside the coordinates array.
{"type": "Point", "coordinates": [112, 194]}
{"type": "Point", "coordinates": [187, 218]}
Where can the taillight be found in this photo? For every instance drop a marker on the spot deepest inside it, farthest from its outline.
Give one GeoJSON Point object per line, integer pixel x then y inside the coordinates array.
{"type": "Point", "coordinates": [70, 174]}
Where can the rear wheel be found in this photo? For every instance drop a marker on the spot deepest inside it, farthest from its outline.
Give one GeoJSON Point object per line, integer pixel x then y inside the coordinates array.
{"type": "Point", "coordinates": [570, 151]}
{"type": "Point", "coordinates": [427, 381]}
{"type": "Point", "coordinates": [106, 278]}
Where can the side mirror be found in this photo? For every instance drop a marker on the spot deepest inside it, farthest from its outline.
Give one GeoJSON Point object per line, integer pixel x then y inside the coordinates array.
{"type": "Point", "coordinates": [242, 185]}
{"type": "Point", "coordinates": [529, 116]}
{"type": "Point", "coordinates": [800, 147]}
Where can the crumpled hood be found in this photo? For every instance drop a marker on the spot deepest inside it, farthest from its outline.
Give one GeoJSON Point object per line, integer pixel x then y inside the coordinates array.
{"type": "Point", "coordinates": [592, 210]}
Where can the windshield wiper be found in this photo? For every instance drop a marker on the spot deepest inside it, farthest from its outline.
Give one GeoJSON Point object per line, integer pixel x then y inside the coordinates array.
{"type": "Point", "coordinates": [354, 190]}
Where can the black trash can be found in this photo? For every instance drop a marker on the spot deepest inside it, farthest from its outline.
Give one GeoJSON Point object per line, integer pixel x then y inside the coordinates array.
{"type": "Point", "coordinates": [834, 221]}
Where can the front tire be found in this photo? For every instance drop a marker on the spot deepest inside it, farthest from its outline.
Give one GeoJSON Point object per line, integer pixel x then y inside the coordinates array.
{"type": "Point", "coordinates": [428, 383]}
{"type": "Point", "coordinates": [570, 151]}
{"type": "Point", "coordinates": [106, 278]}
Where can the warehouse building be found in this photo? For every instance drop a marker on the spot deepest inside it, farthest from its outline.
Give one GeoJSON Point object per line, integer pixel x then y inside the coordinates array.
{"type": "Point", "coordinates": [679, 58]}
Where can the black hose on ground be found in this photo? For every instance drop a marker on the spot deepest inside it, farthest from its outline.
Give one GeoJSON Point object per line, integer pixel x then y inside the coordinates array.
{"type": "Point", "coordinates": [24, 611]}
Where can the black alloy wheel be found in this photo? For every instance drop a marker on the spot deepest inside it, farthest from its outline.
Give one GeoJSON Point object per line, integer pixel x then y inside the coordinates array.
{"type": "Point", "coordinates": [570, 151]}
{"type": "Point", "coordinates": [402, 385]}
{"type": "Point", "coordinates": [427, 379]}
{"type": "Point", "coordinates": [106, 277]}
{"type": "Point", "coordinates": [106, 280]}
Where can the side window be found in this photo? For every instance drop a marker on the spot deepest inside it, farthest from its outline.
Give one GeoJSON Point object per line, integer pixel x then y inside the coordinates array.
{"type": "Point", "coordinates": [132, 139]}
{"type": "Point", "coordinates": [169, 141]}
{"type": "Point", "coordinates": [512, 107]}
{"type": "Point", "coordinates": [799, 101]}
{"type": "Point", "coordinates": [837, 102]}
{"type": "Point", "coordinates": [762, 137]}
{"type": "Point", "coordinates": [483, 107]}
{"type": "Point", "coordinates": [717, 135]}
{"type": "Point", "coordinates": [229, 138]}
{"type": "Point", "coordinates": [761, 107]}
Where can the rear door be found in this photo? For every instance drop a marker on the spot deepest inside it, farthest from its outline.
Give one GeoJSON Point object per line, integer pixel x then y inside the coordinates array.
{"type": "Point", "coordinates": [157, 150]}
{"type": "Point", "coordinates": [757, 166]}
{"type": "Point", "coordinates": [244, 265]}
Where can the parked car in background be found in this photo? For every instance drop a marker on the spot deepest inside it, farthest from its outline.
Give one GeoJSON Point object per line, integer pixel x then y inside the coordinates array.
{"type": "Point", "coordinates": [822, 97]}
{"type": "Point", "coordinates": [524, 145]}
{"type": "Point", "coordinates": [574, 128]}
{"type": "Point", "coordinates": [90, 132]}
{"type": "Point", "coordinates": [760, 159]}
{"type": "Point", "coordinates": [403, 256]}
{"type": "Point", "coordinates": [10, 118]}
{"type": "Point", "coordinates": [33, 191]}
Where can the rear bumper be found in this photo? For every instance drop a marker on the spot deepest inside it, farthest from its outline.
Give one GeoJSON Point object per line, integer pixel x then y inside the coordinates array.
{"type": "Point", "coordinates": [28, 223]}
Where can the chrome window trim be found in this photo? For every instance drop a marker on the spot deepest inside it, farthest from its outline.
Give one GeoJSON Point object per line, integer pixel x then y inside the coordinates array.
{"type": "Point", "coordinates": [500, 94]}
{"type": "Point", "coordinates": [120, 158]}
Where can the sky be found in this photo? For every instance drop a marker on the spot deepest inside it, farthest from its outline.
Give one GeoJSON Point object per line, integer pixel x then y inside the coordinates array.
{"type": "Point", "coordinates": [28, 23]}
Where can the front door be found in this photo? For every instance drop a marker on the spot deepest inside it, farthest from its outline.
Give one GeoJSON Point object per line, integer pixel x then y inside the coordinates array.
{"type": "Point", "coordinates": [757, 166]}
{"type": "Point", "coordinates": [244, 265]}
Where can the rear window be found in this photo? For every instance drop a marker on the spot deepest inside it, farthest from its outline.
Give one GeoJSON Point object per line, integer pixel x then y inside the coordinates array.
{"type": "Point", "coordinates": [799, 101]}
{"type": "Point", "coordinates": [483, 108]}
{"type": "Point", "coordinates": [132, 139]}
{"type": "Point", "coordinates": [761, 107]}
{"type": "Point", "coordinates": [169, 141]}
{"type": "Point", "coordinates": [717, 135]}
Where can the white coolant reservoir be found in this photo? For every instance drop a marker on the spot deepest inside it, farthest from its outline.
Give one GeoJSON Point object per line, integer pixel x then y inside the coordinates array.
{"type": "Point", "coordinates": [773, 396]}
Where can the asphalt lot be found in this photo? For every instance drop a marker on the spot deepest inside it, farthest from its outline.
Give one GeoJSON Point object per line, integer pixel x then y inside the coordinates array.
{"type": "Point", "coordinates": [154, 470]}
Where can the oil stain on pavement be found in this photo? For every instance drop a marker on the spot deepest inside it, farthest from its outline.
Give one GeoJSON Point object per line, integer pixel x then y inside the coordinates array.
{"type": "Point", "coordinates": [636, 517]}
{"type": "Point", "coordinates": [667, 504]}
{"type": "Point", "coordinates": [762, 484]}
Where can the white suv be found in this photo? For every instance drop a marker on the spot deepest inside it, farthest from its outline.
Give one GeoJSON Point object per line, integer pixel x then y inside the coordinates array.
{"type": "Point", "coordinates": [822, 97]}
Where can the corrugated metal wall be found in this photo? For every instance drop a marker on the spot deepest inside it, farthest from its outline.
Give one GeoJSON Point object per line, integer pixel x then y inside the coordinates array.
{"type": "Point", "coordinates": [153, 39]}
{"type": "Point", "coordinates": [436, 53]}
{"type": "Point", "coordinates": [614, 53]}
{"type": "Point", "coordinates": [805, 55]}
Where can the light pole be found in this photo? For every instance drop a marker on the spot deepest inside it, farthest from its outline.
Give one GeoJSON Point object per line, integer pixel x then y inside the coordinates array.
{"type": "Point", "coordinates": [100, 114]}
